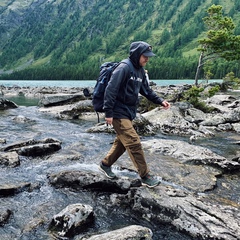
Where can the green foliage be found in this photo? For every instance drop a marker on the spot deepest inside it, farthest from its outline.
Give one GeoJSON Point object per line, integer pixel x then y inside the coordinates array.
{"type": "Point", "coordinates": [70, 39]}
{"type": "Point", "coordinates": [231, 81]}
{"type": "Point", "coordinates": [221, 42]}
{"type": "Point", "coordinates": [220, 36]}
{"type": "Point", "coordinates": [212, 91]}
{"type": "Point", "coordinates": [145, 105]}
{"type": "Point", "coordinates": [193, 96]}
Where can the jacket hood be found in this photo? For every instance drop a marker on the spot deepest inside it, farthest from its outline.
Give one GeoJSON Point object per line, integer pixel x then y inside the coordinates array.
{"type": "Point", "coordinates": [137, 49]}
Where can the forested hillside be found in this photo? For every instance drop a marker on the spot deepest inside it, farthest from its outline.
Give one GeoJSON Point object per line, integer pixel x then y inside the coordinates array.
{"type": "Point", "coordinates": [69, 39]}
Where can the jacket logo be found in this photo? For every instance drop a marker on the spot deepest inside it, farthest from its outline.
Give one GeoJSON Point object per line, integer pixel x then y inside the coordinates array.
{"type": "Point", "coordinates": [136, 79]}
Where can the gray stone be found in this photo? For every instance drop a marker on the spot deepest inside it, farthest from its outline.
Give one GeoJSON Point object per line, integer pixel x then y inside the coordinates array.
{"type": "Point", "coordinates": [12, 189]}
{"type": "Point", "coordinates": [34, 147]}
{"type": "Point", "coordinates": [69, 111]}
{"type": "Point", "coordinates": [72, 220]}
{"type": "Point", "coordinates": [7, 104]}
{"type": "Point", "coordinates": [133, 232]}
{"type": "Point", "coordinates": [9, 159]}
{"type": "Point", "coordinates": [4, 216]}
{"type": "Point", "coordinates": [60, 99]}
{"type": "Point", "coordinates": [188, 153]}
{"type": "Point", "coordinates": [197, 215]}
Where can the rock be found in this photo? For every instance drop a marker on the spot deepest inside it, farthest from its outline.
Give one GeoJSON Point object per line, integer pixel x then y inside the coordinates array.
{"type": "Point", "coordinates": [9, 159]}
{"type": "Point", "coordinates": [11, 189]}
{"type": "Point", "coordinates": [171, 121]}
{"type": "Point", "coordinates": [225, 127]}
{"type": "Point", "coordinates": [2, 140]}
{"type": "Point", "coordinates": [7, 104]}
{"type": "Point", "coordinates": [82, 180]}
{"type": "Point", "coordinates": [70, 111]}
{"type": "Point", "coordinates": [34, 148]}
{"type": "Point", "coordinates": [39, 149]}
{"type": "Point", "coordinates": [140, 124]}
{"type": "Point", "coordinates": [133, 232]}
{"type": "Point", "coordinates": [4, 216]}
{"type": "Point", "coordinates": [233, 116]}
{"type": "Point", "coordinates": [195, 214]}
{"type": "Point", "coordinates": [214, 120]}
{"type": "Point", "coordinates": [194, 115]}
{"type": "Point", "coordinates": [190, 154]}
{"type": "Point", "coordinates": [72, 220]}
{"type": "Point", "coordinates": [101, 127]}
{"type": "Point", "coordinates": [21, 119]}
{"type": "Point", "coordinates": [143, 126]}
{"type": "Point", "coordinates": [220, 99]}
{"type": "Point", "coordinates": [236, 127]}
{"type": "Point", "coordinates": [59, 99]}
{"type": "Point", "coordinates": [236, 158]}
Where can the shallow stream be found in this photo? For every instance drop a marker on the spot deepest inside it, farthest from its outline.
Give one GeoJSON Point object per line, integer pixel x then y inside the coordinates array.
{"type": "Point", "coordinates": [44, 201]}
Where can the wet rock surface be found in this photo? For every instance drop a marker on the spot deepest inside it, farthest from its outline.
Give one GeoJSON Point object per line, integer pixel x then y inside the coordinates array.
{"type": "Point", "coordinates": [186, 211]}
{"type": "Point", "coordinates": [199, 192]}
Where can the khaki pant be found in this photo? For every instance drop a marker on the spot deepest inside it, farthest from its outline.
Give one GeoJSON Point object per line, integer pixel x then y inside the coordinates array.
{"type": "Point", "coordinates": [127, 139]}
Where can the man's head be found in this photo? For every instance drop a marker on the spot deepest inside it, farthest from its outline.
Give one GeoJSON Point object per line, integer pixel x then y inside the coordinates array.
{"type": "Point", "coordinates": [140, 53]}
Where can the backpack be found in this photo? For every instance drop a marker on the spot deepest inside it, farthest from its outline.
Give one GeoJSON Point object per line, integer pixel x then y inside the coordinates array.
{"type": "Point", "coordinates": [106, 70]}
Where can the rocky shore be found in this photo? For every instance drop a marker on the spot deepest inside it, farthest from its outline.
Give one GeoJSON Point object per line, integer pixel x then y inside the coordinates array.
{"type": "Point", "coordinates": [189, 170]}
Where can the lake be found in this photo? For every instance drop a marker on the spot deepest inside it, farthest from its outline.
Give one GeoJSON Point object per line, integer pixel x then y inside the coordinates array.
{"type": "Point", "coordinates": [88, 83]}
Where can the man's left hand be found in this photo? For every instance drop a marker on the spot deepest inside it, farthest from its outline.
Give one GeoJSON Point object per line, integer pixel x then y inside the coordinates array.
{"type": "Point", "coordinates": [166, 104]}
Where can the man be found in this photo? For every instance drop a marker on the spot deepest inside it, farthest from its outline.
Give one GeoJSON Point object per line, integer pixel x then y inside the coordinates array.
{"type": "Point", "coordinates": [120, 105]}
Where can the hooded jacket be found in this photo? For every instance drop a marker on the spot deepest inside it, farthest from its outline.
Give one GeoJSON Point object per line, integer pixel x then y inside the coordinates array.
{"type": "Point", "coordinates": [121, 95]}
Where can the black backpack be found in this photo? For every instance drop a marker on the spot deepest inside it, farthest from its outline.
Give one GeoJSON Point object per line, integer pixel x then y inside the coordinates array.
{"type": "Point", "coordinates": [106, 70]}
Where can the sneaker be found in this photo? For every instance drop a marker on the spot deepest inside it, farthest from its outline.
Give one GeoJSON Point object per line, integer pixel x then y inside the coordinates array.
{"type": "Point", "coordinates": [150, 181]}
{"type": "Point", "coordinates": [107, 171]}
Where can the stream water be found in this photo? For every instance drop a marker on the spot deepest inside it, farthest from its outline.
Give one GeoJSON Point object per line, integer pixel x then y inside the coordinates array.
{"type": "Point", "coordinates": [44, 201]}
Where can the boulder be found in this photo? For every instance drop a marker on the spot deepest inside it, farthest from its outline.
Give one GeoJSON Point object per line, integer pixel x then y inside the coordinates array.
{"type": "Point", "coordinates": [9, 159]}
{"type": "Point", "coordinates": [91, 181]}
{"type": "Point", "coordinates": [143, 126]}
{"type": "Point", "coordinates": [72, 220]}
{"type": "Point", "coordinates": [4, 216]}
{"type": "Point", "coordinates": [194, 214]}
{"type": "Point", "coordinates": [133, 232]}
{"type": "Point", "coordinates": [59, 99]}
{"type": "Point", "coordinates": [7, 104]}
{"type": "Point", "coordinates": [22, 119]}
{"type": "Point", "coordinates": [69, 111]}
{"type": "Point", "coordinates": [189, 154]}
{"type": "Point", "coordinates": [34, 147]}
{"type": "Point", "coordinates": [12, 189]}
{"type": "Point", "coordinates": [171, 121]}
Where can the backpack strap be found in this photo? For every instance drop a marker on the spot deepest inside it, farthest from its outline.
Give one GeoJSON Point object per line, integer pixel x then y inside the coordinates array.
{"type": "Point", "coordinates": [129, 63]}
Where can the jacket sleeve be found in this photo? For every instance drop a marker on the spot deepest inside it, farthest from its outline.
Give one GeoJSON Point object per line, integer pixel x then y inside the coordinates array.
{"type": "Point", "coordinates": [113, 87]}
{"type": "Point", "coordinates": [147, 92]}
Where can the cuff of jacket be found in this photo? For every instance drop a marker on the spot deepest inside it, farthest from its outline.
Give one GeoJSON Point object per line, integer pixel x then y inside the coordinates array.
{"type": "Point", "coordinates": [108, 113]}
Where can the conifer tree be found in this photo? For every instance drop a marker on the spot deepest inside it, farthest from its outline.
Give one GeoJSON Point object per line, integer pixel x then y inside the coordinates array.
{"type": "Point", "coordinates": [221, 42]}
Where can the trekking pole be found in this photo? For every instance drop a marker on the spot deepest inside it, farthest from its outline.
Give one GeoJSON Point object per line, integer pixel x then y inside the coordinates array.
{"type": "Point", "coordinates": [98, 117]}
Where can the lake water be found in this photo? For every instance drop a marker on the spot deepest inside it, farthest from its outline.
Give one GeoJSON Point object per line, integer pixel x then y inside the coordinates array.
{"type": "Point", "coordinates": [87, 83]}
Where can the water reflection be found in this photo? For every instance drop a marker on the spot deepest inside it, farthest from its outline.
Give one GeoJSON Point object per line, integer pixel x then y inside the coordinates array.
{"type": "Point", "coordinates": [24, 101]}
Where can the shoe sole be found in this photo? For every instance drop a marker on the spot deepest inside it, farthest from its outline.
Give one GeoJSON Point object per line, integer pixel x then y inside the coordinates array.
{"type": "Point", "coordinates": [150, 186]}
{"type": "Point", "coordinates": [106, 173]}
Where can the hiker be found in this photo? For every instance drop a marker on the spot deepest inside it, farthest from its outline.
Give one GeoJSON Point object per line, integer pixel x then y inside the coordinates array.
{"type": "Point", "coordinates": [120, 106]}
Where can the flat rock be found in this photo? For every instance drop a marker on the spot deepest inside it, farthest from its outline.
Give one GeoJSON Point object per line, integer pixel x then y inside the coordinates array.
{"type": "Point", "coordinates": [195, 214]}
{"type": "Point", "coordinates": [189, 154]}
{"type": "Point", "coordinates": [133, 232]}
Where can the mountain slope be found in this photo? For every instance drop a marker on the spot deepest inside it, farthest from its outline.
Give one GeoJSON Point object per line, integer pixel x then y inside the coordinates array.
{"type": "Point", "coordinates": [69, 39]}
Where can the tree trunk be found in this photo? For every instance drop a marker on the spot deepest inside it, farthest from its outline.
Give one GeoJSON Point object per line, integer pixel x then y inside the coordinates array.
{"type": "Point", "coordinates": [199, 68]}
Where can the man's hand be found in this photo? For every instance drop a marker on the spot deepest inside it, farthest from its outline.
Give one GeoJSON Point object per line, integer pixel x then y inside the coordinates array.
{"type": "Point", "coordinates": [166, 104]}
{"type": "Point", "coordinates": [109, 121]}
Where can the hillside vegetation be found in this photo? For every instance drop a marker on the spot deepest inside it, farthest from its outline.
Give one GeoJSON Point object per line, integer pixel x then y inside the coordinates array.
{"type": "Point", "coordinates": [69, 39]}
